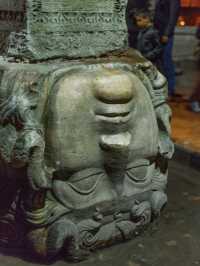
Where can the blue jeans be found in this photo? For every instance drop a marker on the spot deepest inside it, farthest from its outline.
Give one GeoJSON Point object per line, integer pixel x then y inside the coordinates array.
{"type": "Point", "coordinates": [168, 65]}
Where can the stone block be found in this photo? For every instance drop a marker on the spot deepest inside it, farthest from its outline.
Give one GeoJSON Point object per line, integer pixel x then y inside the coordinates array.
{"type": "Point", "coordinates": [70, 29]}
{"type": "Point", "coordinates": [11, 19]}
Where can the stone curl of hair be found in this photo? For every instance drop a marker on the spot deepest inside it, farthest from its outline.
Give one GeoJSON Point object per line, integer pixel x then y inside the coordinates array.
{"type": "Point", "coordinates": [22, 141]}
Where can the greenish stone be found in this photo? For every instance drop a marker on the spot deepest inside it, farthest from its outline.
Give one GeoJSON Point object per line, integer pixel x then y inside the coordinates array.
{"type": "Point", "coordinates": [84, 150]}
{"type": "Point", "coordinates": [11, 19]}
{"type": "Point", "coordinates": [71, 29]}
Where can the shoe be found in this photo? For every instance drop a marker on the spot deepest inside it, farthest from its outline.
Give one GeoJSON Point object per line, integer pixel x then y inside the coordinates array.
{"type": "Point", "coordinates": [195, 106]}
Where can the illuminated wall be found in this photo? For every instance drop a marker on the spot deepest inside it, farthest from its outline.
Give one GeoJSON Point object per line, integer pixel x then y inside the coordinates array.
{"type": "Point", "coordinates": [190, 13]}
{"type": "Point", "coordinates": [190, 3]}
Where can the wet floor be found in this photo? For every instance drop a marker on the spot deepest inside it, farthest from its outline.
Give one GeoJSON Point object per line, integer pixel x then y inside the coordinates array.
{"type": "Point", "coordinates": [172, 241]}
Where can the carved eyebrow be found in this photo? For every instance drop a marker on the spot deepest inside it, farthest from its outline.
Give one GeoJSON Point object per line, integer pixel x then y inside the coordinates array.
{"type": "Point", "coordinates": [139, 163]}
{"type": "Point", "coordinates": [86, 173]}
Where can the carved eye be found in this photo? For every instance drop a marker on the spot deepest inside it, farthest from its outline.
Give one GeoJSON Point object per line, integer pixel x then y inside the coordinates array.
{"type": "Point", "coordinates": [138, 171]}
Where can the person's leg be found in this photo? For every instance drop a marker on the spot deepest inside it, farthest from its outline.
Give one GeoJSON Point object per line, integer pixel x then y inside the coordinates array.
{"type": "Point", "coordinates": [168, 66]}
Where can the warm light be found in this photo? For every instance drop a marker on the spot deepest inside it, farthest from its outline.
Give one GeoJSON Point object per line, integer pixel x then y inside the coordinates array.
{"type": "Point", "coordinates": [198, 21]}
{"type": "Point", "coordinates": [190, 3]}
{"type": "Point", "coordinates": [182, 23]}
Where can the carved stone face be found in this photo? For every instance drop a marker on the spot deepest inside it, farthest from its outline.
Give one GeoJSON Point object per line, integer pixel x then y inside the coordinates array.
{"type": "Point", "coordinates": [99, 119]}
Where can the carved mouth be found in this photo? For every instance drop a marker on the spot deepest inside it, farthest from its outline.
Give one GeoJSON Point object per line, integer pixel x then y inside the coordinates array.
{"type": "Point", "coordinates": [116, 118]}
{"type": "Point", "coordinates": [113, 113]}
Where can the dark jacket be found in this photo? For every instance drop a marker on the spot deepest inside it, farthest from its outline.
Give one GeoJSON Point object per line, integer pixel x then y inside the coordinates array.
{"type": "Point", "coordinates": [148, 43]}
{"type": "Point", "coordinates": [166, 16]}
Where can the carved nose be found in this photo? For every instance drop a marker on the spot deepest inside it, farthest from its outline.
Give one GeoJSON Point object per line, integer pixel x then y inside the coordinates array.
{"type": "Point", "coordinates": [116, 90]}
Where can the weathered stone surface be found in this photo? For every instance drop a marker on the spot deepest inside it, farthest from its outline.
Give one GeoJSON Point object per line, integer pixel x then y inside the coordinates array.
{"type": "Point", "coordinates": [11, 19]}
{"type": "Point", "coordinates": [84, 144]}
{"type": "Point", "coordinates": [14, 5]}
{"type": "Point", "coordinates": [70, 29]}
{"type": "Point", "coordinates": [87, 165]}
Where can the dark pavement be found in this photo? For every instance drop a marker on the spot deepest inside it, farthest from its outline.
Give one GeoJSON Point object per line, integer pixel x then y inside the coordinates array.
{"type": "Point", "coordinates": [173, 240]}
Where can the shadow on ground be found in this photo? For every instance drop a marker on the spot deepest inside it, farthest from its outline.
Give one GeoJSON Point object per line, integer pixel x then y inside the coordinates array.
{"type": "Point", "coordinates": [173, 240]}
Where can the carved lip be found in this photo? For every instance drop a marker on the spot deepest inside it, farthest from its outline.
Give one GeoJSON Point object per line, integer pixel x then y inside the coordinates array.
{"type": "Point", "coordinates": [116, 142]}
{"type": "Point", "coordinates": [113, 113]}
{"type": "Point", "coordinates": [115, 118]}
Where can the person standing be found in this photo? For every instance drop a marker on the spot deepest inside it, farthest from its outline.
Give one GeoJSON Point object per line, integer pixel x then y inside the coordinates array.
{"type": "Point", "coordinates": [133, 30]}
{"type": "Point", "coordinates": [165, 19]}
{"type": "Point", "coordinates": [148, 40]}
